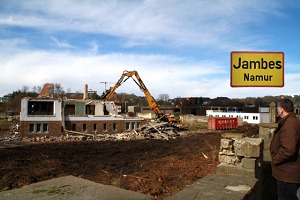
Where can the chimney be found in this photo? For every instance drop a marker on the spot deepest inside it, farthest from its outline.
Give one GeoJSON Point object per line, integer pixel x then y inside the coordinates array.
{"type": "Point", "coordinates": [85, 93]}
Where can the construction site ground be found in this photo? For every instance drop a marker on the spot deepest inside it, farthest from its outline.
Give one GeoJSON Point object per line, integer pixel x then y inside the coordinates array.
{"type": "Point", "coordinates": [158, 168]}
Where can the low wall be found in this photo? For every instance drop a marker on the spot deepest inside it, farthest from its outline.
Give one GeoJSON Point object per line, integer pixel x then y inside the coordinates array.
{"type": "Point", "coordinates": [242, 157]}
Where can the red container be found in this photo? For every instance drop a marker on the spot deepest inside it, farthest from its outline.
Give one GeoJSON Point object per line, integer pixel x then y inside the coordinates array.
{"type": "Point", "coordinates": [222, 123]}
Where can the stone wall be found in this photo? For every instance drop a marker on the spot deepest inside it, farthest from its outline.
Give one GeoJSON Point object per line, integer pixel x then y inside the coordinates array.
{"type": "Point", "coordinates": [240, 156]}
{"type": "Point", "coordinates": [249, 157]}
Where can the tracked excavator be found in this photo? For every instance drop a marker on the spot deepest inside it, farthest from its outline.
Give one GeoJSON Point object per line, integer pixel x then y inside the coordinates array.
{"type": "Point", "coordinates": [151, 101]}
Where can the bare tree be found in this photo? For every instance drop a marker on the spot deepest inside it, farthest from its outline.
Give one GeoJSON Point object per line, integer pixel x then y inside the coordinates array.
{"type": "Point", "coordinates": [69, 90]}
{"type": "Point", "coordinates": [25, 89]}
{"type": "Point", "coordinates": [58, 89]}
{"type": "Point", "coordinates": [163, 98]}
{"type": "Point", "coordinates": [39, 89]}
{"type": "Point", "coordinates": [34, 89]}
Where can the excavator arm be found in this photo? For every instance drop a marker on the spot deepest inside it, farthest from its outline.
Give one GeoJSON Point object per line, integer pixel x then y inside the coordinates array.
{"type": "Point", "coordinates": [130, 74]}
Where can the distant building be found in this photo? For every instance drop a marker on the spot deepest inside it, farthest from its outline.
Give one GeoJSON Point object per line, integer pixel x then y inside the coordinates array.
{"type": "Point", "coordinates": [263, 116]}
{"type": "Point", "coordinates": [2, 99]}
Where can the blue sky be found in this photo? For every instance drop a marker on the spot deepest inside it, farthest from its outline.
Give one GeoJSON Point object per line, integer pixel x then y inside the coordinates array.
{"type": "Point", "coordinates": [179, 48]}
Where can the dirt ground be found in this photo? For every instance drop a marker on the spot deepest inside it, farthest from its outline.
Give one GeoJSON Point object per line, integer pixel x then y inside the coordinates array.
{"type": "Point", "coordinates": [158, 168]}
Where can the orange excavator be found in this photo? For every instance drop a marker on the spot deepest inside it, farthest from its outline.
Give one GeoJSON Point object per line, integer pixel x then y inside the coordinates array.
{"type": "Point", "coordinates": [151, 101]}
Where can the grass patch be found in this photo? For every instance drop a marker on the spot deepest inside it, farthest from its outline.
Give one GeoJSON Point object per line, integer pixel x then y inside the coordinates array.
{"type": "Point", "coordinates": [39, 191]}
{"type": "Point", "coordinates": [196, 125]}
{"type": "Point", "coordinates": [52, 191]}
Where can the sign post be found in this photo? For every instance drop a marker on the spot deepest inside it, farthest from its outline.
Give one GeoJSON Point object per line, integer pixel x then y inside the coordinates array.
{"type": "Point", "coordinates": [256, 69]}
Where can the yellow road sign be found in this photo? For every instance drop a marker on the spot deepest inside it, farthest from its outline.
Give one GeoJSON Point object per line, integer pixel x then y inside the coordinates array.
{"type": "Point", "coordinates": [256, 69]}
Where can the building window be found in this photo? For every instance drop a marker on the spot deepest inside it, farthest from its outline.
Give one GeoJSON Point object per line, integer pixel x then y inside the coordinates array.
{"type": "Point", "coordinates": [95, 128]}
{"type": "Point", "coordinates": [255, 117]}
{"type": "Point", "coordinates": [128, 126]}
{"type": "Point", "coordinates": [31, 128]}
{"type": "Point", "coordinates": [40, 107]}
{"type": "Point", "coordinates": [133, 125]}
{"type": "Point", "coordinates": [73, 127]}
{"type": "Point", "coordinates": [105, 127]}
{"type": "Point", "coordinates": [69, 110]}
{"type": "Point", "coordinates": [45, 128]}
{"type": "Point", "coordinates": [114, 126]}
{"type": "Point", "coordinates": [90, 109]}
{"type": "Point", "coordinates": [84, 128]}
{"type": "Point", "coordinates": [38, 128]}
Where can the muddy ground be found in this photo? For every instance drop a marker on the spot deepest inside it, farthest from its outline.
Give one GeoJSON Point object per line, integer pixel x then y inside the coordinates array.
{"type": "Point", "coordinates": [158, 168]}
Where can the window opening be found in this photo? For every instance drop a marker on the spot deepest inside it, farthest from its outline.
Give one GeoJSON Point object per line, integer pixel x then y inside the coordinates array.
{"type": "Point", "coordinates": [69, 110]}
{"type": "Point", "coordinates": [38, 128]}
{"type": "Point", "coordinates": [127, 125]}
{"type": "Point", "coordinates": [90, 109]}
{"type": "Point", "coordinates": [31, 128]}
{"type": "Point", "coordinates": [40, 107]}
{"type": "Point", "coordinates": [104, 127]}
{"type": "Point", "coordinates": [105, 111]}
{"type": "Point", "coordinates": [73, 127]}
{"type": "Point", "coordinates": [84, 127]}
{"type": "Point", "coordinates": [45, 128]}
{"type": "Point", "coordinates": [114, 126]}
{"type": "Point", "coordinates": [95, 128]}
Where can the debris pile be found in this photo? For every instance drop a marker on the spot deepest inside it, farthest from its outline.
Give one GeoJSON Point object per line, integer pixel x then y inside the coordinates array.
{"type": "Point", "coordinates": [163, 130]}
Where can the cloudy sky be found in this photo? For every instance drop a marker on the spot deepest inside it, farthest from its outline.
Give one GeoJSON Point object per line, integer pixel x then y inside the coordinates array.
{"type": "Point", "coordinates": [179, 48]}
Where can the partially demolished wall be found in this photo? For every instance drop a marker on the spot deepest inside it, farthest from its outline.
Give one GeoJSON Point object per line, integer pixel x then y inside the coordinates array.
{"type": "Point", "coordinates": [55, 117]}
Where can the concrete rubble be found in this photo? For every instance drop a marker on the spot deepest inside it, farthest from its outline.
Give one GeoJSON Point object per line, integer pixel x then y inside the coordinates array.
{"type": "Point", "coordinates": [151, 130]}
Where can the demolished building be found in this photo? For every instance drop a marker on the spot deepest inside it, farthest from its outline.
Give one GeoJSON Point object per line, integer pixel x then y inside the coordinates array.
{"type": "Point", "coordinates": [48, 116]}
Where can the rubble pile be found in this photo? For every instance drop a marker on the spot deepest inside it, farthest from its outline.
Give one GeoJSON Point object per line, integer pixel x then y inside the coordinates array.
{"type": "Point", "coordinates": [161, 130]}
{"type": "Point", "coordinates": [15, 124]}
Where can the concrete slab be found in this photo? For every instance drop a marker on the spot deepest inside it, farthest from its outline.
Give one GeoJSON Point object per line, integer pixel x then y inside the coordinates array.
{"type": "Point", "coordinates": [71, 188]}
{"type": "Point", "coordinates": [217, 187]}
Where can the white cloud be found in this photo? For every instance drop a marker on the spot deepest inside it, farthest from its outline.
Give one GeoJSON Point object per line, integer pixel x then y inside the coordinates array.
{"type": "Point", "coordinates": [160, 73]}
{"type": "Point", "coordinates": [196, 23]}
{"type": "Point", "coordinates": [204, 26]}
{"type": "Point", "coordinates": [61, 44]}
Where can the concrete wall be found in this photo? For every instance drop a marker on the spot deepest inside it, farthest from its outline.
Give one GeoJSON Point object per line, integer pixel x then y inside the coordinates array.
{"type": "Point", "coordinates": [55, 117]}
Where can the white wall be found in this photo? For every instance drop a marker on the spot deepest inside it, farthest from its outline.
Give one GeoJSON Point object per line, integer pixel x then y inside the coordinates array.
{"type": "Point", "coordinates": [55, 117]}
{"type": "Point", "coordinates": [252, 118]}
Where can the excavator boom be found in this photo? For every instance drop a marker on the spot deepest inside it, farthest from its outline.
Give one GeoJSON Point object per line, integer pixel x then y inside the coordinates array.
{"type": "Point", "coordinates": [130, 74]}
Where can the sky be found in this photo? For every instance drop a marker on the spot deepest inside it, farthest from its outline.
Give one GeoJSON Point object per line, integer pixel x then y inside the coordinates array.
{"type": "Point", "coordinates": [179, 48]}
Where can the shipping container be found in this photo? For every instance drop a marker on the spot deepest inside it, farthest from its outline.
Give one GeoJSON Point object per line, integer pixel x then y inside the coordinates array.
{"type": "Point", "coordinates": [222, 123]}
